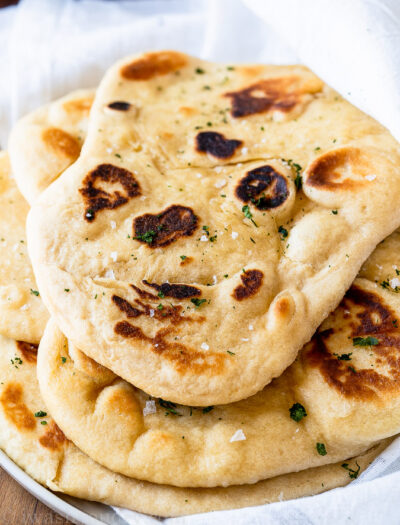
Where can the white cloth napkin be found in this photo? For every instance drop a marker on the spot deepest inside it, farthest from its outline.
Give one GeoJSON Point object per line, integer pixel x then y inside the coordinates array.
{"type": "Point", "coordinates": [49, 47]}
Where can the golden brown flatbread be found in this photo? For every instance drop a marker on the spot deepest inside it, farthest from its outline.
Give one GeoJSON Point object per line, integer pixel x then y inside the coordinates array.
{"type": "Point", "coordinates": [181, 242]}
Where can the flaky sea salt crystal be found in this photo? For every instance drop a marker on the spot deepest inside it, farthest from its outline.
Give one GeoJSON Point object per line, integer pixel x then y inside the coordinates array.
{"type": "Point", "coordinates": [370, 177]}
{"type": "Point", "coordinates": [394, 283]}
{"type": "Point", "coordinates": [113, 225]}
{"type": "Point", "coordinates": [110, 275]}
{"type": "Point", "coordinates": [220, 183]}
{"type": "Point", "coordinates": [151, 312]}
{"type": "Point", "coordinates": [114, 256]}
{"type": "Point", "coordinates": [238, 436]}
{"type": "Point", "coordinates": [204, 238]}
{"type": "Point", "coordinates": [204, 346]}
{"type": "Point", "coordinates": [235, 235]}
{"type": "Point", "coordinates": [150, 408]}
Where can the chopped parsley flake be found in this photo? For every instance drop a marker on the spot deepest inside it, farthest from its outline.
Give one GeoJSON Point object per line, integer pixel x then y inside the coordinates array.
{"type": "Point", "coordinates": [365, 341]}
{"type": "Point", "coordinates": [248, 214]}
{"type": "Point", "coordinates": [321, 449]}
{"type": "Point", "coordinates": [283, 231]}
{"type": "Point", "coordinates": [199, 71]}
{"type": "Point", "coordinates": [183, 257]}
{"type": "Point", "coordinates": [198, 302]}
{"type": "Point", "coordinates": [160, 307]}
{"type": "Point", "coordinates": [386, 284]}
{"type": "Point", "coordinates": [297, 412]}
{"type": "Point", "coordinates": [63, 360]}
{"type": "Point", "coordinates": [298, 181]}
{"type": "Point", "coordinates": [40, 414]}
{"type": "Point", "coordinates": [16, 361]}
{"type": "Point", "coordinates": [353, 474]}
{"type": "Point", "coordinates": [207, 409]}
{"type": "Point", "coordinates": [169, 406]}
{"type": "Point", "coordinates": [35, 292]}
{"type": "Point", "coordinates": [230, 353]}
{"type": "Point", "coordinates": [335, 212]}
{"type": "Point", "coordinates": [43, 422]}
{"type": "Point", "coordinates": [146, 237]}
{"type": "Point", "coordinates": [344, 357]}
{"type": "Point", "coordinates": [66, 289]}
{"type": "Point", "coordinates": [161, 295]}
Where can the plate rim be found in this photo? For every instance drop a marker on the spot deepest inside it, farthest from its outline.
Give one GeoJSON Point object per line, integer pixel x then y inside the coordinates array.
{"type": "Point", "coordinates": [44, 495]}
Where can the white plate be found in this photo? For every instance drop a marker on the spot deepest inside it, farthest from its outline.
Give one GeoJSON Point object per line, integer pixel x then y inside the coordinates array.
{"type": "Point", "coordinates": [78, 511]}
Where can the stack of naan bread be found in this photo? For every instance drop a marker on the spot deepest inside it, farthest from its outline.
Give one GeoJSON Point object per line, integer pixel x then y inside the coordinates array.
{"type": "Point", "coordinates": [193, 319]}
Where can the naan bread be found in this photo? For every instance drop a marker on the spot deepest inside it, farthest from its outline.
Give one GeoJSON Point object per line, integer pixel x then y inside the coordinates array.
{"type": "Point", "coordinates": [22, 313]}
{"type": "Point", "coordinates": [180, 241]}
{"type": "Point", "coordinates": [45, 454]}
{"type": "Point", "coordinates": [347, 379]}
{"type": "Point", "coordinates": [45, 142]}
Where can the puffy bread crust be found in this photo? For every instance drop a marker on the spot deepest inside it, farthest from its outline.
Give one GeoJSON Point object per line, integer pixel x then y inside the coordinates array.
{"type": "Point", "coordinates": [22, 313]}
{"type": "Point", "coordinates": [49, 458]}
{"type": "Point", "coordinates": [48, 140]}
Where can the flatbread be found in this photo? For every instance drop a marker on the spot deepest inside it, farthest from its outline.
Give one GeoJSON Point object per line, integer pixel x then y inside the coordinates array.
{"type": "Point", "coordinates": [22, 313]}
{"type": "Point", "coordinates": [48, 457]}
{"type": "Point", "coordinates": [180, 241]}
{"type": "Point", "coordinates": [347, 379]}
{"type": "Point", "coordinates": [48, 140]}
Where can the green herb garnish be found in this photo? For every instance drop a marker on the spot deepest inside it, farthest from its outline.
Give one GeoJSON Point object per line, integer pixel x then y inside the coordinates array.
{"type": "Point", "coordinates": [169, 406]}
{"type": "Point", "coordinates": [40, 414]}
{"type": "Point", "coordinates": [321, 449]}
{"type": "Point", "coordinates": [353, 474]}
{"type": "Point", "coordinates": [35, 292]}
{"type": "Point", "coordinates": [344, 357]}
{"type": "Point", "coordinates": [248, 214]}
{"type": "Point", "coordinates": [283, 231]}
{"type": "Point", "coordinates": [146, 237]}
{"type": "Point", "coordinates": [297, 412]}
{"type": "Point", "coordinates": [198, 302]}
{"type": "Point", "coordinates": [365, 341]}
